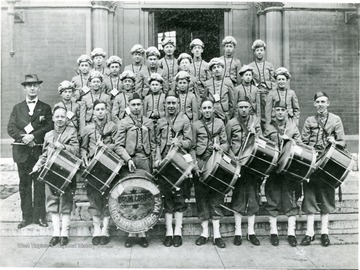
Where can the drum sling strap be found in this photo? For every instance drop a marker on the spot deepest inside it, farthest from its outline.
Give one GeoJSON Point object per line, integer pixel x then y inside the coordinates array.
{"type": "Point", "coordinates": [210, 135]}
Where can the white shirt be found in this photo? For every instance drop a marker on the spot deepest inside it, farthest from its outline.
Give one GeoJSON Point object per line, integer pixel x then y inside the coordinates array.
{"type": "Point", "coordinates": [31, 105]}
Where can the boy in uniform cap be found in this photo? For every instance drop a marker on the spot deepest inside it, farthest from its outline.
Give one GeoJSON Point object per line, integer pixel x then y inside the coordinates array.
{"type": "Point", "coordinates": [100, 132]}
{"type": "Point", "coordinates": [282, 93]}
{"type": "Point", "coordinates": [282, 193]}
{"type": "Point", "coordinates": [232, 64]}
{"type": "Point", "coordinates": [112, 83]}
{"type": "Point", "coordinates": [66, 90]}
{"type": "Point", "coordinates": [98, 56]}
{"type": "Point", "coordinates": [188, 101]}
{"type": "Point", "coordinates": [137, 67]}
{"type": "Point", "coordinates": [245, 198]}
{"type": "Point", "coordinates": [247, 89]}
{"type": "Point", "coordinates": [263, 74]}
{"type": "Point", "coordinates": [220, 90]}
{"type": "Point", "coordinates": [152, 55]}
{"type": "Point", "coordinates": [184, 64]}
{"type": "Point", "coordinates": [319, 131]}
{"type": "Point", "coordinates": [61, 137]}
{"type": "Point", "coordinates": [29, 121]}
{"type": "Point", "coordinates": [200, 69]}
{"type": "Point", "coordinates": [81, 81]}
{"type": "Point", "coordinates": [121, 101]}
{"type": "Point", "coordinates": [173, 130]}
{"type": "Point", "coordinates": [168, 62]}
{"type": "Point", "coordinates": [154, 104]}
{"type": "Point", "coordinates": [136, 136]}
{"type": "Point", "coordinates": [87, 101]}
{"type": "Point", "coordinates": [208, 136]}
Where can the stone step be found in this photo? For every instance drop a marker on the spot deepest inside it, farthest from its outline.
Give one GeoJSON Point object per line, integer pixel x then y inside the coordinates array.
{"type": "Point", "coordinates": [338, 224]}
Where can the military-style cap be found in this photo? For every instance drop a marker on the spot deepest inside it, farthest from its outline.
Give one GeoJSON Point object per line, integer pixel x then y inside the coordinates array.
{"type": "Point", "coordinates": [84, 58]}
{"type": "Point", "coordinates": [96, 74]}
{"type": "Point", "coordinates": [196, 42]}
{"type": "Point", "coordinates": [155, 77]}
{"type": "Point", "coordinates": [134, 96]}
{"type": "Point", "coordinates": [137, 48]}
{"type": "Point", "coordinates": [184, 56]}
{"type": "Point", "coordinates": [258, 43]}
{"type": "Point", "coordinates": [280, 104]}
{"type": "Point", "coordinates": [171, 93]}
{"type": "Point", "coordinates": [244, 99]}
{"type": "Point", "coordinates": [152, 51]}
{"type": "Point", "coordinates": [113, 59]}
{"type": "Point", "coordinates": [229, 39]}
{"type": "Point", "coordinates": [98, 52]}
{"type": "Point", "coordinates": [320, 94]}
{"type": "Point", "coordinates": [65, 85]}
{"type": "Point", "coordinates": [127, 74]}
{"type": "Point", "coordinates": [245, 68]}
{"type": "Point", "coordinates": [97, 102]}
{"type": "Point", "coordinates": [282, 71]}
{"type": "Point", "coordinates": [182, 75]}
{"type": "Point", "coordinates": [30, 79]}
{"type": "Point", "coordinates": [168, 41]}
{"type": "Point", "coordinates": [216, 61]}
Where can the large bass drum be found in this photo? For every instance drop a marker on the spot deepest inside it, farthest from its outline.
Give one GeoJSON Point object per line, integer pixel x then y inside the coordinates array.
{"type": "Point", "coordinates": [135, 202]}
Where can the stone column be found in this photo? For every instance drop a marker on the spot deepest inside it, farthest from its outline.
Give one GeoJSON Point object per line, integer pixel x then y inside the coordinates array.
{"type": "Point", "coordinates": [100, 24]}
{"type": "Point", "coordinates": [262, 24]}
{"type": "Point", "coordinates": [111, 24]}
{"type": "Point", "coordinates": [11, 16]}
{"type": "Point", "coordinates": [274, 35]}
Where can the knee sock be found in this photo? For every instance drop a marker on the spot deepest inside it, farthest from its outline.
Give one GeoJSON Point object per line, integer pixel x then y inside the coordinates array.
{"type": "Point", "coordinates": [96, 223]}
{"type": "Point", "coordinates": [178, 223]}
{"type": "Point", "coordinates": [105, 228]}
{"type": "Point", "coordinates": [291, 225]}
{"type": "Point", "coordinates": [65, 225]}
{"type": "Point", "coordinates": [237, 218]}
{"type": "Point", "coordinates": [310, 225]}
{"type": "Point", "coordinates": [132, 235]}
{"type": "Point", "coordinates": [168, 224]}
{"type": "Point", "coordinates": [324, 223]}
{"type": "Point", "coordinates": [251, 224]}
{"type": "Point", "coordinates": [55, 217]}
{"type": "Point", "coordinates": [205, 228]}
{"type": "Point", "coordinates": [142, 234]}
{"type": "Point", "coordinates": [273, 225]}
{"type": "Point", "coordinates": [216, 228]}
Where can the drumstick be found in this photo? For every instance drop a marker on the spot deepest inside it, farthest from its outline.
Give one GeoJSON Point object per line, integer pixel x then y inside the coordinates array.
{"type": "Point", "coordinates": [37, 170]}
{"type": "Point", "coordinates": [172, 146]}
{"type": "Point", "coordinates": [18, 143]}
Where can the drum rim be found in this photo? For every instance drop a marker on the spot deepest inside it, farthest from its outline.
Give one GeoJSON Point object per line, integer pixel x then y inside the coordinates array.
{"type": "Point", "coordinates": [285, 166]}
{"type": "Point", "coordinates": [217, 155]}
{"type": "Point", "coordinates": [251, 156]}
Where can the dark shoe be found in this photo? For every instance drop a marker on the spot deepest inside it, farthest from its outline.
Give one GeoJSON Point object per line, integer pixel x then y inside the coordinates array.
{"type": "Point", "coordinates": [96, 240]}
{"type": "Point", "coordinates": [64, 240]}
{"type": "Point", "coordinates": [41, 222]}
{"type": "Point", "coordinates": [130, 241]}
{"type": "Point", "coordinates": [237, 240]}
{"type": "Point", "coordinates": [219, 242]}
{"type": "Point", "coordinates": [177, 241]}
{"type": "Point", "coordinates": [292, 240]}
{"type": "Point", "coordinates": [253, 239]}
{"type": "Point", "coordinates": [54, 241]}
{"type": "Point", "coordinates": [23, 224]}
{"type": "Point", "coordinates": [144, 242]}
{"type": "Point", "coordinates": [274, 239]}
{"type": "Point", "coordinates": [168, 241]}
{"type": "Point", "coordinates": [201, 241]}
{"type": "Point", "coordinates": [104, 240]}
{"type": "Point", "coordinates": [307, 240]}
{"type": "Point", "coordinates": [325, 241]}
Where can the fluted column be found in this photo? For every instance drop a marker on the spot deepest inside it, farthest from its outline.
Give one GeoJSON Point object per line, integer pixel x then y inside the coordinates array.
{"type": "Point", "coordinates": [274, 35]}
{"type": "Point", "coordinates": [11, 19]}
{"type": "Point", "coordinates": [100, 24]}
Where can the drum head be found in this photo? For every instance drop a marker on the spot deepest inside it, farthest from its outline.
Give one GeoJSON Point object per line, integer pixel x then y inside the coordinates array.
{"type": "Point", "coordinates": [248, 149]}
{"type": "Point", "coordinates": [135, 203]}
{"type": "Point", "coordinates": [286, 155]}
{"type": "Point", "coordinates": [210, 165]}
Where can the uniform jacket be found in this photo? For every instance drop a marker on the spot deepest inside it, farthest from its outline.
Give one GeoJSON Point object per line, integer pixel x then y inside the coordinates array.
{"type": "Point", "coordinates": [119, 105]}
{"type": "Point", "coordinates": [41, 121]}
{"type": "Point", "coordinates": [168, 75]}
{"type": "Point", "coordinates": [193, 87]}
{"type": "Point", "coordinates": [232, 69]}
{"type": "Point", "coordinates": [110, 83]}
{"type": "Point", "coordinates": [291, 130]}
{"type": "Point", "coordinates": [240, 92]}
{"type": "Point", "coordinates": [201, 72]}
{"type": "Point", "coordinates": [80, 81]}
{"type": "Point", "coordinates": [268, 81]}
{"type": "Point", "coordinates": [191, 107]}
{"type": "Point", "coordinates": [73, 107]}
{"type": "Point", "coordinates": [146, 90]}
{"type": "Point", "coordinates": [292, 103]}
{"type": "Point", "coordinates": [314, 135]}
{"type": "Point", "coordinates": [149, 104]}
{"type": "Point", "coordinates": [236, 135]}
{"type": "Point", "coordinates": [103, 70]}
{"type": "Point", "coordinates": [139, 77]}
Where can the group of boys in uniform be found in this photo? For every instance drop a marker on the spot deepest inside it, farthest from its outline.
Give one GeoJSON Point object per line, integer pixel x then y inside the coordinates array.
{"type": "Point", "coordinates": [145, 111]}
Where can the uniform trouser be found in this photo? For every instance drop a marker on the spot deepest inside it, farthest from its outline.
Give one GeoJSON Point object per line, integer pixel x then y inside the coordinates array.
{"type": "Point", "coordinates": [263, 97]}
{"type": "Point", "coordinates": [245, 198]}
{"type": "Point", "coordinates": [174, 201]}
{"type": "Point", "coordinates": [318, 196]}
{"type": "Point", "coordinates": [281, 195]}
{"type": "Point", "coordinates": [142, 162]}
{"type": "Point", "coordinates": [58, 204]}
{"type": "Point", "coordinates": [98, 202]}
{"type": "Point", "coordinates": [25, 189]}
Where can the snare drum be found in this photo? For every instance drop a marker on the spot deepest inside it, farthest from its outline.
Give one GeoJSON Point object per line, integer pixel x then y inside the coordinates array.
{"type": "Point", "coordinates": [135, 202]}
{"type": "Point", "coordinates": [333, 166]}
{"type": "Point", "coordinates": [174, 168]}
{"type": "Point", "coordinates": [103, 168]}
{"type": "Point", "coordinates": [220, 172]}
{"type": "Point", "coordinates": [297, 161]}
{"type": "Point", "coordinates": [60, 170]}
{"type": "Point", "coordinates": [259, 155]}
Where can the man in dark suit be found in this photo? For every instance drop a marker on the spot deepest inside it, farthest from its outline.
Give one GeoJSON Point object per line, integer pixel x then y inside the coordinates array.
{"type": "Point", "coordinates": [29, 121]}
